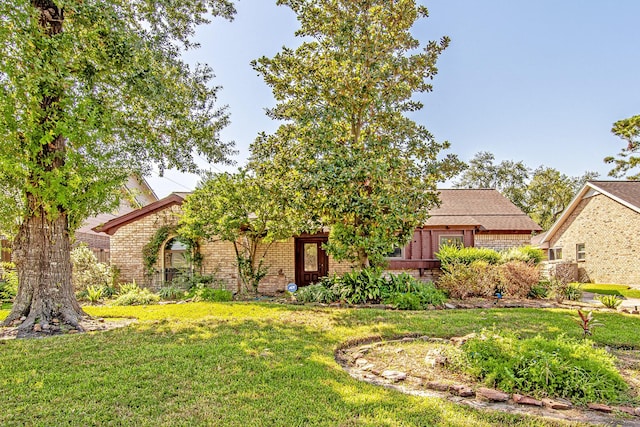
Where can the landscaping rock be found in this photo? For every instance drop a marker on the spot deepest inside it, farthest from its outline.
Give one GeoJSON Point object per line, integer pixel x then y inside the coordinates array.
{"type": "Point", "coordinates": [491, 395]}
{"type": "Point", "coordinates": [462, 340]}
{"type": "Point", "coordinates": [637, 412]}
{"type": "Point", "coordinates": [560, 405]}
{"type": "Point", "coordinates": [394, 376]}
{"type": "Point", "coordinates": [526, 400]}
{"type": "Point", "coordinates": [434, 385]}
{"type": "Point", "coordinates": [435, 358]}
{"type": "Point", "coordinates": [626, 410]}
{"type": "Point", "coordinates": [37, 327]}
{"type": "Point", "coordinates": [361, 362]}
{"type": "Point", "coordinates": [600, 407]}
{"type": "Point", "coordinates": [72, 331]}
{"type": "Point", "coordinates": [462, 390]}
{"type": "Point", "coordinates": [449, 306]}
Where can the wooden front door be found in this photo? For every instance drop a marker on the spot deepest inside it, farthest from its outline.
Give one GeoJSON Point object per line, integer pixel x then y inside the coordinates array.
{"type": "Point", "coordinates": [312, 262]}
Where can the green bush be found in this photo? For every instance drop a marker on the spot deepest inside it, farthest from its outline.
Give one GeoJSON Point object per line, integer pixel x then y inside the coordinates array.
{"type": "Point", "coordinates": [540, 290]}
{"type": "Point", "coordinates": [202, 292]}
{"type": "Point", "coordinates": [561, 367]}
{"type": "Point", "coordinates": [87, 271]}
{"type": "Point", "coordinates": [452, 256]}
{"type": "Point", "coordinates": [8, 281]}
{"type": "Point", "coordinates": [316, 293]}
{"type": "Point", "coordinates": [171, 292]}
{"type": "Point", "coordinates": [565, 291]}
{"type": "Point", "coordinates": [527, 254]}
{"type": "Point", "coordinates": [358, 287]}
{"type": "Point", "coordinates": [132, 294]}
{"type": "Point", "coordinates": [418, 295]}
{"type": "Point", "coordinates": [404, 301]}
{"type": "Point", "coordinates": [94, 294]}
{"type": "Point", "coordinates": [609, 301]}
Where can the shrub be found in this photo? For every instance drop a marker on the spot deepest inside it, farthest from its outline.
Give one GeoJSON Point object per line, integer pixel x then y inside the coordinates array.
{"type": "Point", "coordinates": [518, 278]}
{"type": "Point", "coordinates": [8, 281]}
{"type": "Point", "coordinates": [87, 271]}
{"type": "Point", "coordinates": [609, 301]}
{"type": "Point", "coordinates": [561, 290]}
{"type": "Point", "coordinates": [404, 301]}
{"type": "Point", "coordinates": [131, 294]}
{"type": "Point", "coordinates": [94, 294]}
{"type": "Point", "coordinates": [527, 254]}
{"type": "Point", "coordinates": [171, 292]}
{"type": "Point", "coordinates": [462, 281]}
{"type": "Point", "coordinates": [561, 367]}
{"type": "Point", "coordinates": [540, 290]}
{"type": "Point", "coordinates": [359, 287]}
{"type": "Point", "coordinates": [452, 256]}
{"type": "Point", "coordinates": [402, 282]}
{"type": "Point", "coordinates": [316, 293]}
{"type": "Point", "coordinates": [202, 292]}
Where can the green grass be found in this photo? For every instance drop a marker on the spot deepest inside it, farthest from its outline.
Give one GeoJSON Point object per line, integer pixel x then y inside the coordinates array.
{"type": "Point", "coordinates": [237, 364]}
{"type": "Point", "coordinates": [609, 289]}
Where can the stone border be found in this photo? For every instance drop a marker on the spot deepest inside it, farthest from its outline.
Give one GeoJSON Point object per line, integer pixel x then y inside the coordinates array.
{"type": "Point", "coordinates": [350, 354]}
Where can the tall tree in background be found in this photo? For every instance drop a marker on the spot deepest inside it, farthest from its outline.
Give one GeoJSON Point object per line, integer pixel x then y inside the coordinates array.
{"type": "Point", "coordinates": [629, 131]}
{"type": "Point", "coordinates": [508, 177]}
{"type": "Point", "coordinates": [90, 92]}
{"type": "Point", "coordinates": [543, 194]}
{"type": "Point", "coordinates": [358, 163]}
{"type": "Point", "coordinates": [549, 193]}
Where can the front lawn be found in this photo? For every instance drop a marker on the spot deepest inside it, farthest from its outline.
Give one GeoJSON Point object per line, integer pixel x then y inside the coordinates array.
{"type": "Point", "coordinates": [237, 364]}
{"type": "Point", "coordinates": [609, 289]}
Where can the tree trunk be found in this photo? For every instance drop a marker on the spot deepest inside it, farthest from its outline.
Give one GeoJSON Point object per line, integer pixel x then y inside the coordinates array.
{"type": "Point", "coordinates": [363, 258]}
{"type": "Point", "coordinates": [42, 253]}
{"type": "Point", "coordinates": [41, 249]}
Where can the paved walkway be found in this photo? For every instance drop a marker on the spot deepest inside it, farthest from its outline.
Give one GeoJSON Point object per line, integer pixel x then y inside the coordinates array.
{"type": "Point", "coordinates": [628, 303]}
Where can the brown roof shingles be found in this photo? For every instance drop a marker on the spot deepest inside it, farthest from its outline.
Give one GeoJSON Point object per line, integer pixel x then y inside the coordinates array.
{"type": "Point", "coordinates": [628, 191]}
{"type": "Point", "coordinates": [485, 208]}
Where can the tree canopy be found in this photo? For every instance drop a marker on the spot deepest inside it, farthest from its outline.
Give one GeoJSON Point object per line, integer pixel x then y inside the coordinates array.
{"type": "Point", "coordinates": [357, 163]}
{"type": "Point", "coordinates": [90, 92]}
{"type": "Point", "coordinates": [629, 131]}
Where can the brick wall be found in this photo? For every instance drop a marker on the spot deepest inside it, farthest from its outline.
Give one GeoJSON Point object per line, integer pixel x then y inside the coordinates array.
{"type": "Point", "coordinates": [611, 234]}
{"type": "Point", "coordinates": [501, 242]}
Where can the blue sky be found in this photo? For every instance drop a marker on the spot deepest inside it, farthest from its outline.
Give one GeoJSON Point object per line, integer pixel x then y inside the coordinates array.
{"type": "Point", "coordinates": [539, 81]}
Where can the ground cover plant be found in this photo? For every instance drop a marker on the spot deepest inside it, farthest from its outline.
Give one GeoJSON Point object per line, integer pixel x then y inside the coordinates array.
{"type": "Point", "coordinates": [237, 364]}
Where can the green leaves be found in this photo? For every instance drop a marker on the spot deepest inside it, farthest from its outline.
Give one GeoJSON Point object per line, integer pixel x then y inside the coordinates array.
{"type": "Point", "coordinates": [629, 131]}
{"type": "Point", "coordinates": [356, 162]}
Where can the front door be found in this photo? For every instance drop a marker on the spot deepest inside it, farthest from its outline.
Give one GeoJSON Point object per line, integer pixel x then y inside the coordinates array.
{"type": "Point", "coordinates": [312, 261]}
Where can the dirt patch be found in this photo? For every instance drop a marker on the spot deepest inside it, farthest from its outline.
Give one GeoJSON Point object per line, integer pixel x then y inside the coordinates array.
{"type": "Point", "coordinates": [416, 365]}
{"type": "Point", "coordinates": [86, 325]}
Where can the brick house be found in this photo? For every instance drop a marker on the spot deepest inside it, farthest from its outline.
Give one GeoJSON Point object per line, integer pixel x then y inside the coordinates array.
{"type": "Point", "coordinates": [468, 217]}
{"type": "Point", "coordinates": [599, 234]}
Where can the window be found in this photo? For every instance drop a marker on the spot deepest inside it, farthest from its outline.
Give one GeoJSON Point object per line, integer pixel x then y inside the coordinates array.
{"type": "Point", "coordinates": [456, 241]}
{"type": "Point", "coordinates": [397, 253]}
{"type": "Point", "coordinates": [555, 254]}
{"type": "Point", "coordinates": [581, 253]}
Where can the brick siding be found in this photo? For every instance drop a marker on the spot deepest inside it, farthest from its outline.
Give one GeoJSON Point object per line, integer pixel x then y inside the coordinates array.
{"type": "Point", "coordinates": [500, 242]}
{"type": "Point", "coordinates": [610, 233]}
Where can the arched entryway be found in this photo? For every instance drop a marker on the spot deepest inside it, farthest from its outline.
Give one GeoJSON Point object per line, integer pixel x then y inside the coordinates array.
{"type": "Point", "coordinates": [176, 259]}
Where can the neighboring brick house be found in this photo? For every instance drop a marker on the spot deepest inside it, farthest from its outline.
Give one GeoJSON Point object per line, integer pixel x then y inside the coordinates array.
{"type": "Point", "coordinates": [599, 233]}
{"type": "Point", "coordinates": [137, 193]}
{"type": "Point", "coordinates": [470, 217]}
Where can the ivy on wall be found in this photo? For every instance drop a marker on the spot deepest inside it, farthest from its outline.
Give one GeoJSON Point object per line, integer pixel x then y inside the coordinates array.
{"type": "Point", "coordinates": [151, 250]}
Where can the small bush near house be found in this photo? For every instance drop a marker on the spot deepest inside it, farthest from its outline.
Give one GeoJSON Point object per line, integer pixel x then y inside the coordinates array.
{"type": "Point", "coordinates": [316, 293]}
{"type": "Point", "coordinates": [560, 367]}
{"type": "Point", "coordinates": [527, 254]}
{"type": "Point", "coordinates": [452, 256]}
{"type": "Point", "coordinates": [460, 281]}
{"type": "Point", "coordinates": [358, 287]}
{"type": "Point", "coordinates": [94, 294]}
{"type": "Point", "coordinates": [561, 290]}
{"type": "Point", "coordinates": [8, 281]}
{"type": "Point", "coordinates": [518, 278]}
{"type": "Point", "coordinates": [540, 290]}
{"type": "Point", "coordinates": [87, 271]}
{"type": "Point", "coordinates": [171, 292]}
{"type": "Point", "coordinates": [202, 292]}
{"type": "Point", "coordinates": [132, 294]}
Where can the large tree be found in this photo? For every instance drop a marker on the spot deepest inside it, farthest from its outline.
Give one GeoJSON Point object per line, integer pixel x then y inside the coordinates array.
{"type": "Point", "coordinates": [91, 91]}
{"type": "Point", "coordinates": [508, 177]}
{"type": "Point", "coordinates": [363, 168]}
{"type": "Point", "coordinates": [629, 131]}
{"type": "Point", "coordinates": [249, 212]}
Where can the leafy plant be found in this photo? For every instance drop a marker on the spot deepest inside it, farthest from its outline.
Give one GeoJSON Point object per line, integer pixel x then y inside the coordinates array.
{"type": "Point", "coordinates": [526, 254]}
{"type": "Point", "coordinates": [87, 271]}
{"type": "Point", "coordinates": [453, 256]}
{"type": "Point", "coordinates": [517, 278]}
{"type": "Point", "coordinates": [136, 296]}
{"type": "Point", "coordinates": [587, 323]}
{"type": "Point", "coordinates": [316, 293]}
{"type": "Point", "coordinates": [562, 290]}
{"type": "Point", "coordinates": [202, 292]}
{"type": "Point", "coordinates": [479, 279]}
{"type": "Point", "coordinates": [94, 294]}
{"type": "Point", "coordinates": [362, 286]}
{"type": "Point", "coordinates": [8, 281]}
{"type": "Point", "coordinates": [559, 367]}
{"type": "Point", "coordinates": [609, 301]}
{"type": "Point", "coordinates": [125, 288]}
{"type": "Point", "coordinates": [404, 301]}
{"type": "Point", "coordinates": [171, 292]}
{"type": "Point", "coordinates": [540, 290]}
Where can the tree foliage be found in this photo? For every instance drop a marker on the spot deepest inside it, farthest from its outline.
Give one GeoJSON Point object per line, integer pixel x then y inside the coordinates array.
{"type": "Point", "coordinates": [629, 131]}
{"type": "Point", "coordinates": [543, 193]}
{"type": "Point", "coordinates": [244, 210]}
{"type": "Point", "coordinates": [92, 91]}
{"type": "Point", "coordinates": [357, 163]}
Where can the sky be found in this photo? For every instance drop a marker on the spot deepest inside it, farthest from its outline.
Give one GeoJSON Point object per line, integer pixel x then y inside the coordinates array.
{"type": "Point", "coordinates": [535, 81]}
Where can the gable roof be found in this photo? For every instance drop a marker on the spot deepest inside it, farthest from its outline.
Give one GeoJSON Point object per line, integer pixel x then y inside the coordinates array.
{"type": "Point", "coordinates": [486, 209]}
{"type": "Point", "coordinates": [111, 226]}
{"type": "Point", "coordinates": [627, 193]}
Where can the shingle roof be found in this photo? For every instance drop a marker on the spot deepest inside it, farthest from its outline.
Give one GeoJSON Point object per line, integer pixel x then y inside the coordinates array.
{"type": "Point", "coordinates": [484, 208]}
{"type": "Point", "coordinates": [626, 191]}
